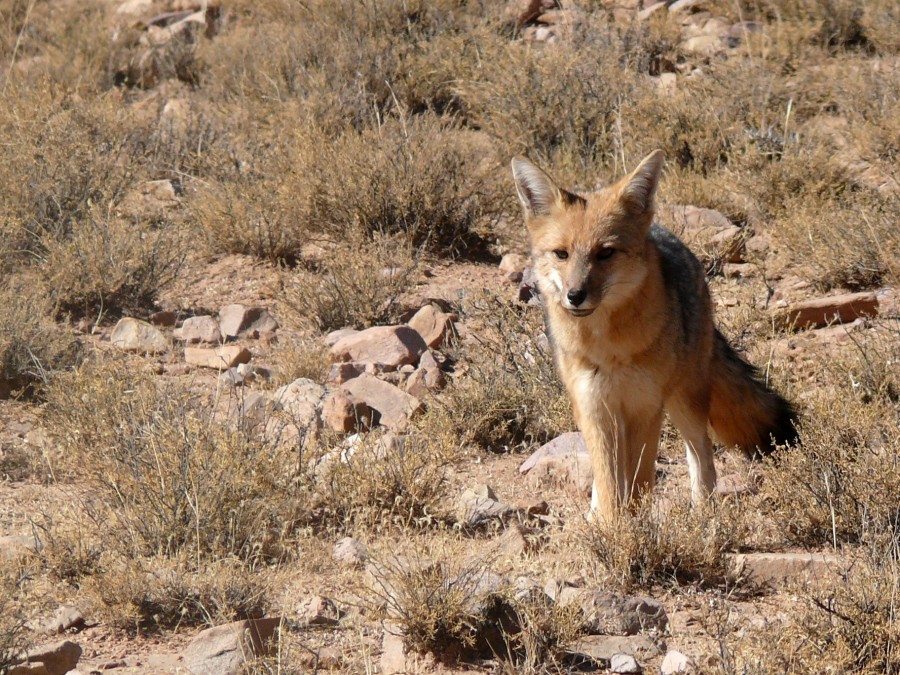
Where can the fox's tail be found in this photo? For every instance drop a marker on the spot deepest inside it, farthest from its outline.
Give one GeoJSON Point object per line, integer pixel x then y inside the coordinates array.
{"type": "Point", "coordinates": [744, 411]}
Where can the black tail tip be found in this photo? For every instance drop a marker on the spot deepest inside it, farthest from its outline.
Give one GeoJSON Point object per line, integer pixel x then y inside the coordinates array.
{"type": "Point", "coordinates": [784, 427]}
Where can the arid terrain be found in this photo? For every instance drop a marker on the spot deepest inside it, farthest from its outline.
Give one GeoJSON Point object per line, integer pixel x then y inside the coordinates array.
{"type": "Point", "coordinates": [275, 392]}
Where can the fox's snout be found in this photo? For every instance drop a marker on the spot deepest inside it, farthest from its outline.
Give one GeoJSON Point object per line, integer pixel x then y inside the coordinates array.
{"type": "Point", "coordinates": [576, 296]}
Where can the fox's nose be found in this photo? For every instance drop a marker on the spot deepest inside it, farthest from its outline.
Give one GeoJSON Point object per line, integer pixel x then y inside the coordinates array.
{"type": "Point", "coordinates": [576, 297]}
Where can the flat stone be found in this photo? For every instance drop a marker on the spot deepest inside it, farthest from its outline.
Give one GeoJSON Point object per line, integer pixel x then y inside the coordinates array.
{"type": "Point", "coordinates": [320, 611]}
{"type": "Point", "coordinates": [394, 405]}
{"type": "Point", "coordinates": [14, 546]}
{"type": "Point", "coordinates": [344, 413]}
{"type": "Point", "coordinates": [57, 657]}
{"type": "Point", "coordinates": [603, 647]}
{"type": "Point", "coordinates": [392, 346]}
{"type": "Point", "coordinates": [569, 443]}
{"type": "Point", "coordinates": [824, 311]}
{"type": "Point", "coordinates": [479, 505]}
{"type": "Point", "coordinates": [246, 322]}
{"type": "Point", "coordinates": [571, 470]}
{"type": "Point", "coordinates": [199, 329]}
{"type": "Point", "coordinates": [133, 335]}
{"type": "Point", "coordinates": [224, 650]}
{"type": "Point", "coordinates": [779, 569]}
{"type": "Point", "coordinates": [220, 358]}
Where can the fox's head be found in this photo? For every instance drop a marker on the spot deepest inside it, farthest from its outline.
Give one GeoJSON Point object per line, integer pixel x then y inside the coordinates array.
{"type": "Point", "coordinates": [588, 252]}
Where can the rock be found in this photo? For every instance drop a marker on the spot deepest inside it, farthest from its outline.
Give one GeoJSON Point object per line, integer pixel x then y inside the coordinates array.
{"type": "Point", "coordinates": [521, 12]}
{"type": "Point", "coordinates": [394, 406]}
{"type": "Point", "coordinates": [391, 346]}
{"type": "Point", "coordinates": [135, 8]}
{"type": "Point", "coordinates": [341, 372]}
{"type": "Point", "coordinates": [513, 543]}
{"type": "Point", "coordinates": [603, 647]}
{"type": "Point", "coordinates": [34, 669]}
{"type": "Point", "coordinates": [610, 613]}
{"type": "Point", "coordinates": [432, 324]}
{"type": "Point", "coordinates": [706, 231]}
{"type": "Point", "coordinates": [351, 552]}
{"type": "Point", "coordinates": [133, 335]}
{"type": "Point", "coordinates": [163, 318]}
{"type": "Point", "coordinates": [512, 265]}
{"type": "Point", "coordinates": [344, 413]}
{"type": "Point", "coordinates": [220, 358]}
{"type": "Point", "coordinates": [569, 443]}
{"type": "Point", "coordinates": [63, 619]}
{"type": "Point", "coordinates": [479, 505]}
{"type": "Point", "coordinates": [573, 471]}
{"type": "Point", "coordinates": [199, 329]}
{"type": "Point", "coordinates": [739, 270]}
{"type": "Point", "coordinates": [300, 400]}
{"type": "Point", "coordinates": [320, 611]}
{"type": "Point", "coordinates": [624, 663]}
{"type": "Point", "coordinates": [223, 650]}
{"type": "Point", "coordinates": [665, 84]}
{"type": "Point", "coordinates": [823, 311]}
{"type": "Point", "coordinates": [13, 547]}
{"type": "Point", "coordinates": [650, 10]}
{"type": "Point", "coordinates": [57, 657]}
{"type": "Point", "coordinates": [393, 650]}
{"type": "Point", "coordinates": [779, 569]}
{"type": "Point", "coordinates": [336, 336]}
{"type": "Point", "coordinates": [676, 662]}
{"type": "Point", "coordinates": [425, 381]}
{"type": "Point", "coordinates": [238, 321]}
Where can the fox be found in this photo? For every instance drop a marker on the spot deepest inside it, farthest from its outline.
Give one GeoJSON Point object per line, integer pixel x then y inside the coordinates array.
{"type": "Point", "coordinates": [629, 317]}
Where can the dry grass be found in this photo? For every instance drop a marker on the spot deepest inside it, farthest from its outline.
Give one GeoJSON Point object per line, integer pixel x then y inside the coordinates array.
{"type": "Point", "coordinates": [173, 479]}
{"type": "Point", "coordinates": [669, 543]}
{"type": "Point", "coordinates": [13, 636]}
{"type": "Point", "coordinates": [353, 143]}
{"type": "Point", "coordinates": [510, 395]}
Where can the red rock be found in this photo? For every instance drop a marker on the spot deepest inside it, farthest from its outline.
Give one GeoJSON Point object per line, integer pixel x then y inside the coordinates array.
{"type": "Point", "coordinates": [246, 322]}
{"type": "Point", "coordinates": [220, 358]}
{"type": "Point", "coordinates": [344, 413]}
{"type": "Point", "coordinates": [824, 311]}
{"type": "Point", "coordinates": [432, 324]}
{"type": "Point", "coordinates": [199, 329]}
{"type": "Point", "coordinates": [391, 346]}
{"type": "Point", "coordinates": [395, 406]}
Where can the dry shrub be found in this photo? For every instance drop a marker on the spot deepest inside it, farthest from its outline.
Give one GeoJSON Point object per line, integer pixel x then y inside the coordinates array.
{"type": "Point", "coordinates": [669, 543]}
{"type": "Point", "coordinates": [383, 481]}
{"type": "Point", "coordinates": [541, 633]}
{"type": "Point", "coordinates": [355, 286]}
{"type": "Point", "coordinates": [32, 346]}
{"type": "Point", "coordinates": [560, 105]}
{"type": "Point", "coordinates": [851, 627]}
{"type": "Point", "coordinates": [172, 477]}
{"type": "Point", "coordinates": [108, 264]}
{"type": "Point", "coordinates": [13, 633]}
{"type": "Point", "coordinates": [442, 608]}
{"type": "Point", "coordinates": [161, 593]}
{"type": "Point", "coordinates": [420, 176]}
{"type": "Point", "coordinates": [297, 356]}
{"type": "Point", "coordinates": [840, 484]}
{"type": "Point", "coordinates": [511, 394]}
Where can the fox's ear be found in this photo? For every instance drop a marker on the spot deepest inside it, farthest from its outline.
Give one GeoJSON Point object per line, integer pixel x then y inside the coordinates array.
{"type": "Point", "coordinates": [537, 192]}
{"type": "Point", "coordinates": [639, 188]}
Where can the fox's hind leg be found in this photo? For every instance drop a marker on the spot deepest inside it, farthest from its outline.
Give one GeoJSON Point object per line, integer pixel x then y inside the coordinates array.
{"type": "Point", "coordinates": [690, 414]}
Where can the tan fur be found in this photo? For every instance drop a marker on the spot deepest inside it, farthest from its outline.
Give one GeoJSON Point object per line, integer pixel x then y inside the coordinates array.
{"type": "Point", "coordinates": [624, 352]}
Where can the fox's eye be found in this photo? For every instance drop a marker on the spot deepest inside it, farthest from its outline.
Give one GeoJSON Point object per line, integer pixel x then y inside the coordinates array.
{"type": "Point", "coordinates": [605, 253]}
{"type": "Point", "coordinates": [561, 253]}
